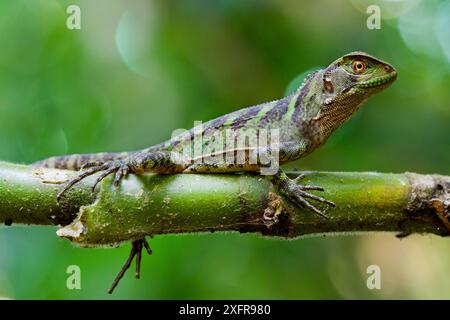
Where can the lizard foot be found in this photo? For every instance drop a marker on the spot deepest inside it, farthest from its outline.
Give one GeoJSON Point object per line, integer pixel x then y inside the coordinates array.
{"type": "Point", "coordinates": [298, 193]}
{"type": "Point", "coordinates": [119, 167]}
{"type": "Point", "coordinates": [136, 251]}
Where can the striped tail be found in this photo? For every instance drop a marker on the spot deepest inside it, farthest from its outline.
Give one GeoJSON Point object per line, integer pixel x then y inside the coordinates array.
{"type": "Point", "coordinates": [76, 161]}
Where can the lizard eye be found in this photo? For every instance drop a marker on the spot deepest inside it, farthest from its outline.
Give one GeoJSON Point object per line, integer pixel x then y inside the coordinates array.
{"type": "Point", "coordinates": [359, 67]}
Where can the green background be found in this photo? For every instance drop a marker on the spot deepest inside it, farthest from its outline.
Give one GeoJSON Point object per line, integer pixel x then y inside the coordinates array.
{"type": "Point", "coordinates": [137, 70]}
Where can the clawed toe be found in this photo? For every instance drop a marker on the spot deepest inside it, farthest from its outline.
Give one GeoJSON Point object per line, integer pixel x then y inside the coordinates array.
{"type": "Point", "coordinates": [121, 172]}
{"type": "Point", "coordinates": [300, 197]}
{"type": "Point", "coordinates": [299, 177]}
{"type": "Point", "coordinates": [298, 193]}
{"type": "Point", "coordinates": [80, 177]}
{"type": "Point", "coordinates": [103, 176]}
{"type": "Point", "coordinates": [317, 198]}
{"type": "Point", "coordinates": [316, 188]}
{"type": "Point", "coordinates": [136, 251]}
{"type": "Point", "coordinates": [120, 169]}
{"type": "Point", "coordinates": [305, 204]}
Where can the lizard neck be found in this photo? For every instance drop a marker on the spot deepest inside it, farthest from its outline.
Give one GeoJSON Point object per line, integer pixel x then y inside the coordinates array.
{"type": "Point", "coordinates": [331, 118]}
{"type": "Point", "coordinates": [322, 112]}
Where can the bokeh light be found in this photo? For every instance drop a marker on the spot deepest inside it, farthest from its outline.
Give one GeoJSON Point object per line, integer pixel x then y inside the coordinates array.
{"type": "Point", "coordinates": [418, 28]}
{"type": "Point", "coordinates": [134, 37]}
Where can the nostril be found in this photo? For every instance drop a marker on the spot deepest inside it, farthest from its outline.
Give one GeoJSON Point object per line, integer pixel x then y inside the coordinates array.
{"type": "Point", "coordinates": [387, 68]}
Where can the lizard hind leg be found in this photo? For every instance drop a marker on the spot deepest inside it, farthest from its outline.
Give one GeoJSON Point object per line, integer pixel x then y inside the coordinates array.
{"type": "Point", "coordinates": [138, 163]}
{"type": "Point", "coordinates": [136, 251]}
{"type": "Point", "coordinates": [298, 193]}
{"type": "Point", "coordinates": [119, 167]}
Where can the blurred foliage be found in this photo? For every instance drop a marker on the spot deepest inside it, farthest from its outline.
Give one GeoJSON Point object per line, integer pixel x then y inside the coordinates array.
{"type": "Point", "coordinates": [137, 70]}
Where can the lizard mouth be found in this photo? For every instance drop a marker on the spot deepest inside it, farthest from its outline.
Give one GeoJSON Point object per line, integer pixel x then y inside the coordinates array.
{"type": "Point", "coordinates": [379, 81]}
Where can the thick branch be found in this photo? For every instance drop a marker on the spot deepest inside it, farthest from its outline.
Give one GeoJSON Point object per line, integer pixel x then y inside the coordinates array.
{"type": "Point", "coordinates": [157, 204]}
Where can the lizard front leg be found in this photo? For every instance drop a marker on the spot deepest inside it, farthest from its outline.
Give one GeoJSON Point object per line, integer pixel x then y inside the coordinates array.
{"type": "Point", "coordinates": [297, 193]}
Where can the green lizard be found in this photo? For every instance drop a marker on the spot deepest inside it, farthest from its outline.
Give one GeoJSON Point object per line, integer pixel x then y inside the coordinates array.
{"type": "Point", "coordinates": [300, 122]}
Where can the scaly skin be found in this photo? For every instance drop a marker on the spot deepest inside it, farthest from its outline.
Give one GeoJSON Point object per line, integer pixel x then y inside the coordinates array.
{"type": "Point", "coordinates": [305, 120]}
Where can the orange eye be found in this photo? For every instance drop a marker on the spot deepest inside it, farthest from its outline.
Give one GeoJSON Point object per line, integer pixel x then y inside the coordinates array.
{"type": "Point", "coordinates": [359, 67]}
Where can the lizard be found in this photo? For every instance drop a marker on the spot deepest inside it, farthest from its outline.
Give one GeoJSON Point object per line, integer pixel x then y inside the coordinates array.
{"type": "Point", "coordinates": [303, 121]}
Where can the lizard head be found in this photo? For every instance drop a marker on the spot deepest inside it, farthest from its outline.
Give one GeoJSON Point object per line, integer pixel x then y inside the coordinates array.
{"type": "Point", "coordinates": [356, 76]}
{"type": "Point", "coordinates": [336, 92]}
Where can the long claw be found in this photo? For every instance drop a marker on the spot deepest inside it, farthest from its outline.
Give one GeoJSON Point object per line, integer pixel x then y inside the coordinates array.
{"type": "Point", "coordinates": [303, 202]}
{"type": "Point", "coordinates": [120, 169]}
{"type": "Point", "coordinates": [102, 176]}
{"type": "Point", "coordinates": [316, 188]}
{"type": "Point", "coordinates": [138, 260]}
{"type": "Point", "coordinates": [79, 178]}
{"type": "Point", "coordinates": [118, 176]}
{"type": "Point", "coordinates": [320, 213]}
{"type": "Point", "coordinates": [298, 193]}
{"type": "Point", "coordinates": [147, 246]}
{"type": "Point", "coordinates": [320, 199]}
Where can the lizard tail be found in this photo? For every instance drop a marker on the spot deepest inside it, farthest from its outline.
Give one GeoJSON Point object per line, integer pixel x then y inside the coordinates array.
{"type": "Point", "coordinates": [76, 161]}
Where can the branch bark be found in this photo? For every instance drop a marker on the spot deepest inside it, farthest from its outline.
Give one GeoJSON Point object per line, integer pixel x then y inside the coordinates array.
{"type": "Point", "coordinates": [160, 204]}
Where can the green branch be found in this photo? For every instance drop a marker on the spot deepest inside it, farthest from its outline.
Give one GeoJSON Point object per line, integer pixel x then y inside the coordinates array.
{"type": "Point", "coordinates": [161, 204]}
